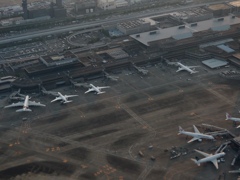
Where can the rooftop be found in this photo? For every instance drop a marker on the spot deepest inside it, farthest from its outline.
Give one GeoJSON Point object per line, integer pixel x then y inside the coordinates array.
{"type": "Point", "coordinates": [57, 57]}
{"type": "Point", "coordinates": [235, 3]}
{"type": "Point", "coordinates": [132, 23]}
{"type": "Point", "coordinates": [226, 48]}
{"type": "Point", "coordinates": [186, 31]}
{"type": "Point", "coordinates": [215, 7]}
{"type": "Point", "coordinates": [237, 55]}
{"type": "Point", "coordinates": [214, 63]}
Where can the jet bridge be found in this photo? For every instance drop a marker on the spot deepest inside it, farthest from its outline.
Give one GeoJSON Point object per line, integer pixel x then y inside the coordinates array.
{"type": "Point", "coordinates": [141, 70]}
{"type": "Point", "coordinates": [16, 95]}
{"type": "Point", "coordinates": [44, 91]}
{"type": "Point", "coordinates": [76, 84]}
{"type": "Point", "coordinates": [108, 76]}
{"type": "Point", "coordinates": [218, 131]}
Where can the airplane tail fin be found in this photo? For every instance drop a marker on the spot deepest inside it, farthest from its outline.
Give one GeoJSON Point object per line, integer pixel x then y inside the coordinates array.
{"type": "Point", "coordinates": [23, 110]}
{"type": "Point", "coordinates": [195, 161]}
{"type": "Point", "coordinates": [101, 92]}
{"type": "Point", "coordinates": [66, 102]}
{"type": "Point", "coordinates": [227, 116]}
{"type": "Point", "coordinates": [238, 126]}
{"type": "Point", "coordinates": [180, 130]}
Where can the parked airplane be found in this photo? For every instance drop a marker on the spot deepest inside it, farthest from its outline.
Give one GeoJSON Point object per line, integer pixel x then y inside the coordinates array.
{"type": "Point", "coordinates": [25, 105]}
{"type": "Point", "coordinates": [96, 89]}
{"type": "Point", "coordinates": [229, 117]}
{"type": "Point", "coordinates": [196, 135]}
{"type": "Point", "coordinates": [44, 91]}
{"type": "Point", "coordinates": [208, 157]}
{"type": "Point", "coordinates": [63, 98]}
{"type": "Point", "coordinates": [186, 68]}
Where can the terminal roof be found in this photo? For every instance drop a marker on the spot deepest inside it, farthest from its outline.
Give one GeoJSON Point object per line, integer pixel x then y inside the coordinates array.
{"type": "Point", "coordinates": [187, 30]}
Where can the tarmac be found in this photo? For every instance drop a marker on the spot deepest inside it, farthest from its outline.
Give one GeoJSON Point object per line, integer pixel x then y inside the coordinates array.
{"type": "Point", "coordinates": [130, 132]}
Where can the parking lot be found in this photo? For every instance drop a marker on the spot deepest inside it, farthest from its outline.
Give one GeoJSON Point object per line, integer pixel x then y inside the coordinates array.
{"type": "Point", "coordinates": [34, 49]}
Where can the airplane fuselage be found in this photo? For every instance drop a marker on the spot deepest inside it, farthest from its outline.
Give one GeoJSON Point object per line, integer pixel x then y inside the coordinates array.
{"type": "Point", "coordinates": [197, 135]}
{"type": "Point", "coordinates": [25, 105]}
{"type": "Point", "coordinates": [63, 97]}
{"type": "Point", "coordinates": [186, 68]}
{"type": "Point", "coordinates": [95, 88]}
{"type": "Point", "coordinates": [210, 158]}
{"type": "Point", "coordinates": [234, 119]}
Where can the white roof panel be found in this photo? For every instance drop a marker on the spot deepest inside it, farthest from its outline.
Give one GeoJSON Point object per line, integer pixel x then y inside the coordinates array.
{"type": "Point", "coordinates": [214, 24]}
{"type": "Point", "coordinates": [226, 48]}
{"type": "Point", "coordinates": [214, 63]}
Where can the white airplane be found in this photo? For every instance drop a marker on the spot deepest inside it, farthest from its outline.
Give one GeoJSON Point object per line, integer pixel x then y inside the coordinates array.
{"type": "Point", "coordinates": [25, 105]}
{"type": "Point", "coordinates": [208, 157]}
{"type": "Point", "coordinates": [96, 89]}
{"type": "Point", "coordinates": [229, 117]}
{"type": "Point", "coordinates": [63, 98]}
{"type": "Point", "coordinates": [186, 68]}
{"type": "Point", "coordinates": [196, 135]}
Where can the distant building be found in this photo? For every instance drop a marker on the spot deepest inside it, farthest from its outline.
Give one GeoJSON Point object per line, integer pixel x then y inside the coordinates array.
{"type": "Point", "coordinates": [106, 4]}
{"type": "Point", "coordinates": [85, 6]}
{"type": "Point", "coordinates": [235, 6]}
{"type": "Point", "coordinates": [57, 60]}
{"type": "Point", "coordinates": [133, 26]}
{"type": "Point", "coordinates": [58, 12]}
{"type": "Point", "coordinates": [192, 15]}
{"type": "Point", "coordinates": [36, 13]}
{"type": "Point", "coordinates": [188, 30]}
{"type": "Point", "coordinates": [25, 9]}
{"type": "Point", "coordinates": [112, 4]}
{"type": "Point", "coordinates": [121, 3]}
{"type": "Point", "coordinates": [42, 9]}
{"type": "Point", "coordinates": [11, 21]}
{"type": "Point", "coordinates": [220, 9]}
{"type": "Point", "coordinates": [59, 3]}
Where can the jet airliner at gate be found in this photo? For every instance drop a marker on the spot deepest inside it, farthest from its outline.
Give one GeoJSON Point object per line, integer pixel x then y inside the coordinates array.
{"type": "Point", "coordinates": [186, 68]}
{"type": "Point", "coordinates": [97, 89]}
{"type": "Point", "coordinates": [63, 98]}
{"type": "Point", "coordinates": [25, 105]}
{"type": "Point", "coordinates": [196, 135]}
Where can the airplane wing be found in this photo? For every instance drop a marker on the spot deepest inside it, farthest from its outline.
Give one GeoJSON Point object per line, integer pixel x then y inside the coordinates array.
{"type": "Point", "coordinates": [196, 129]}
{"type": "Point", "coordinates": [15, 105]}
{"type": "Point", "coordinates": [192, 66]}
{"type": "Point", "coordinates": [103, 87]}
{"type": "Point", "coordinates": [68, 96]}
{"type": "Point", "coordinates": [193, 139]}
{"type": "Point", "coordinates": [180, 69]}
{"type": "Point", "coordinates": [234, 171]}
{"type": "Point", "coordinates": [90, 90]}
{"type": "Point", "coordinates": [33, 103]}
{"type": "Point", "coordinates": [203, 153]}
{"type": "Point", "coordinates": [214, 161]}
{"type": "Point", "coordinates": [56, 99]}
